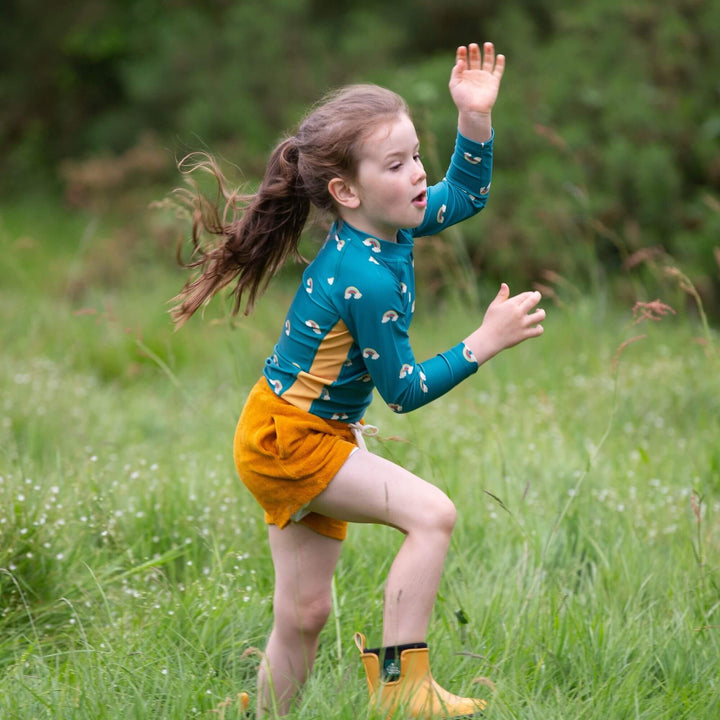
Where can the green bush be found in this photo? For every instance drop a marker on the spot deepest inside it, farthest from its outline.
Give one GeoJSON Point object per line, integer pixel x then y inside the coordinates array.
{"type": "Point", "coordinates": [608, 129]}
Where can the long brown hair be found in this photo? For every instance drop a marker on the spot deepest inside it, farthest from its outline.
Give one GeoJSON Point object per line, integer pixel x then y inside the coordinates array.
{"type": "Point", "coordinates": [259, 232]}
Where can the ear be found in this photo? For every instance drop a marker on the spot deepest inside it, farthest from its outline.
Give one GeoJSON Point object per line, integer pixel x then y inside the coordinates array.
{"type": "Point", "coordinates": [343, 193]}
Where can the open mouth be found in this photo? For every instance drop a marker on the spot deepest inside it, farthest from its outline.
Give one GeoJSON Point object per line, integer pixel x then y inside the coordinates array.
{"type": "Point", "coordinates": [420, 200]}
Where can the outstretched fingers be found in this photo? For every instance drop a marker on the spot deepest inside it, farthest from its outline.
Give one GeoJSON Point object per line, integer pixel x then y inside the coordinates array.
{"type": "Point", "coordinates": [534, 320]}
{"type": "Point", "coordinates": [528, 299]}
{"type": "Point", "coordinates": [472, 58]}
{"type": "Point", "coordinates": [530, 320]}
{"type": "Point", "coordinates": [475, 60]}
{"type": "Point", "coordinates": [488, 58]}
{"type": "Point", "coordinates": [499, 68]}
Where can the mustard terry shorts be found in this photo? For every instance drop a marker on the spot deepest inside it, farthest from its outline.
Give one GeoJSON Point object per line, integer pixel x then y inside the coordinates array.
{"type": "Point", "coordinates": [286, 457]}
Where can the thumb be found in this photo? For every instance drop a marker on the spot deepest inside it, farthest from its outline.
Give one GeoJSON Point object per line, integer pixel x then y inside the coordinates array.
{"type": "Point", "coordinates": [456, 73]}
{"type": "Point", "coordinates": [503, 293]}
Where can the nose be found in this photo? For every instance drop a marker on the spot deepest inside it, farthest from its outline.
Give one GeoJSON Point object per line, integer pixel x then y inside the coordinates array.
{"type": "Point", "coordinates": [420, 173]}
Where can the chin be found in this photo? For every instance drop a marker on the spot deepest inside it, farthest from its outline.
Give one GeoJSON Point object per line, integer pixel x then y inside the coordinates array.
{"type": "Point", "coordinates": [416, 222]}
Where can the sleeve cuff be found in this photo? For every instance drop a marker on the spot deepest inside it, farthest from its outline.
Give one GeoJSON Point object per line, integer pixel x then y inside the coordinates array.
{"type": "Point", "coordinates": [466, 143]}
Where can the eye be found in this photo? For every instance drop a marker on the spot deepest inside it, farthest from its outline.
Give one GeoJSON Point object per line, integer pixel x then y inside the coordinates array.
{"type": "Point", "coordinates": [395, 167]}
{"type": "Point", "coordinates": [417, 158]}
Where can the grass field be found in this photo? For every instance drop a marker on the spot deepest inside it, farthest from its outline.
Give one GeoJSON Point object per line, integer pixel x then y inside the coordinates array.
{"type": "Point", "coordinates": [135, 579]}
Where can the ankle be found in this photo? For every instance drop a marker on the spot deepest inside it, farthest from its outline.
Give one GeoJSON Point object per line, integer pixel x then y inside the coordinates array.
{"type": "Point", "coordinates": [390, 658]}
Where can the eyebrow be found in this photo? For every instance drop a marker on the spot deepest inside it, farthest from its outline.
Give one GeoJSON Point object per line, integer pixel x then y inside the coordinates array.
{"type": "Point", "coordinates": [400, 153]}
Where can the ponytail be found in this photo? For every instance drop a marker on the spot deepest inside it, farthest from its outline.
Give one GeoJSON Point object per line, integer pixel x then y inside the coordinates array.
{"type": "Point", "coordinates": [259, 232]}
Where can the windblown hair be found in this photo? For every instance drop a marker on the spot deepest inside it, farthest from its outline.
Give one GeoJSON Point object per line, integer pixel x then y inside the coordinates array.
{"type": "Point", "coordinates": [259, 232]}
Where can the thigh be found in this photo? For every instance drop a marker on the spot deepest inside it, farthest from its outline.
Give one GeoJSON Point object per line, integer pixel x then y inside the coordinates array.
{"type": "Point", "coordinates": [371, 489]}
{"type": "Point", "coordinates": [304, 563]}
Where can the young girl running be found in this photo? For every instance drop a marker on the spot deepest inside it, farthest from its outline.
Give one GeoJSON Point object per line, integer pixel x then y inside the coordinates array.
{"type": "Point", "coordinates": [298, 445]}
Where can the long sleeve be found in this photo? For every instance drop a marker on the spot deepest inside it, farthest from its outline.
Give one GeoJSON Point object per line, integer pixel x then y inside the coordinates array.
{"type": "Point", "coordinates": [464, 190]}
{"type": "Point", "coordinates": [378, 320]}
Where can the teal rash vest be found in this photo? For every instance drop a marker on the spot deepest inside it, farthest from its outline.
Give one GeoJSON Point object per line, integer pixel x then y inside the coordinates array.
{"type": "Point", "coordinates": [346, 331]}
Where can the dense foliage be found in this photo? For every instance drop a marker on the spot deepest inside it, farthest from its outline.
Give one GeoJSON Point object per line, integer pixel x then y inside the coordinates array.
{"type": "Point", "coordinates": [608, 125]}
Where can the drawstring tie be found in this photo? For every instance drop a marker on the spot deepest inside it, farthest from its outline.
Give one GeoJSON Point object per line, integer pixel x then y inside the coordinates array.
{"type": "Point", "coordinates": [360, 430]}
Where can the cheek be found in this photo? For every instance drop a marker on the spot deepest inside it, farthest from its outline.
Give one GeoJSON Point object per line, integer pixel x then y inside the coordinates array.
{"type": "Point", "coordinates": [396, 188]}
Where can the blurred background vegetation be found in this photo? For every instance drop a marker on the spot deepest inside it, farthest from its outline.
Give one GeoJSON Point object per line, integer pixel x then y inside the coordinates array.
{"type": "Point", "coordinates": [608, 124]}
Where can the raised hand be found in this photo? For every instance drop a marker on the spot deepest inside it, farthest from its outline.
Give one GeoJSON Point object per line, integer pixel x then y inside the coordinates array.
{"type": "Point", "coordinates": [474, 85]}
{"type": "Point", "coordinates": [475, 78]}
{"type": "Point", "coordinates": [507, 322]}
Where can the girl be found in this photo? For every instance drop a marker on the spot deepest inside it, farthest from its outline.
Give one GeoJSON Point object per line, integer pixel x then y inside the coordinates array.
{"type": "Point", "coordinates": [298, 445]}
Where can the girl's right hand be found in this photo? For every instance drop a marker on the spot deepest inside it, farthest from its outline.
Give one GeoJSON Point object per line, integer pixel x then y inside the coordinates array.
{"type": "Point", "coordinates": [507, 322]}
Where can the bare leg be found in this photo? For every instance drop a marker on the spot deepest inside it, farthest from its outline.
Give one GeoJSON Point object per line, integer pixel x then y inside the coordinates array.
{"type": "Point", "coordinates": [369, 488]}
{"type": "Point", "coordinates": [304, 564]}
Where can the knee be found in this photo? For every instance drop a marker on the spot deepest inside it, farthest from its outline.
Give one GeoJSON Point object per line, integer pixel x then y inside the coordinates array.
{"type": "Point", "coordinates": [447, 515]}
{"type": "Point", "coordinates": [439, 515]}
{"type": "Point", "coordinates": [303, 616]}
{"type": "Point", "coordinates": [314, 614]}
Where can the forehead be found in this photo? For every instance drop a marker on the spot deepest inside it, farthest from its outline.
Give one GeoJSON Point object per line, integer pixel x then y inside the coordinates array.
{"type": "Point", "coordinates": [396, 134]}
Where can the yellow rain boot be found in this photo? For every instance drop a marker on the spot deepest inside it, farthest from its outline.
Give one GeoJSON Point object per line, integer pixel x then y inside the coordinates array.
{"type": "Point", "coordinates": [415, 691]}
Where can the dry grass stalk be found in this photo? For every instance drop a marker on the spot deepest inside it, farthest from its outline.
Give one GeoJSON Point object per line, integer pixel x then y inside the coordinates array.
{"type": "Point", "coordinates": [622, 346]}
{"type": "Point", "coordinates": [643, 255]}
{"type": "Point", "coordinates": [654, 310]}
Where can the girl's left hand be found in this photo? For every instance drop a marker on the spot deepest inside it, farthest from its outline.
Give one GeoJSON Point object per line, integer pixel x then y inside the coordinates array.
{"type": "Point", "coordinates": [475, 78]}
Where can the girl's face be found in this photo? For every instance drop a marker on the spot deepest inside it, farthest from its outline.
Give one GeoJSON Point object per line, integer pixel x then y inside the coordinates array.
{"type": "Point", "coordinates": [391, 184]}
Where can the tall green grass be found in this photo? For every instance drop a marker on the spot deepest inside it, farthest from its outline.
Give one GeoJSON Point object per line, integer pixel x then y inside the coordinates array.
{"type": "Point", "coordinates": [135, 578]}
